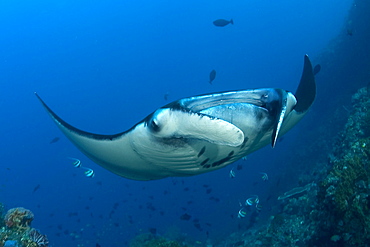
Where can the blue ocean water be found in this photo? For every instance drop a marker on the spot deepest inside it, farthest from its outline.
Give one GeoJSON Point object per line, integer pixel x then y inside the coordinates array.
{"type": "Point", "coordinates": [103, 66]}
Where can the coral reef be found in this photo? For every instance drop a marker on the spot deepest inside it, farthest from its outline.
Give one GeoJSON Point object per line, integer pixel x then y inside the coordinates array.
{"type": "Point", "coordinates": [344, 194]}
{"type": "Point", "coordinates": [150, 240]}
{"type": "Point", "coordinates": [18, 232]}
{"type": "Point", "coordinates": [2, 223]}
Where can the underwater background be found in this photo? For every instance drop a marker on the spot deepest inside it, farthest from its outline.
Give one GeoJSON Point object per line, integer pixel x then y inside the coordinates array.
{"type": "Point", "coordinates": [105, 65]}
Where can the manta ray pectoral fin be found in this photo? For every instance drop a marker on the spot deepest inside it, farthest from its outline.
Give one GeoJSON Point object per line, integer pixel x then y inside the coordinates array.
{"type": "Point", "coordinates": [112, 152]}
{"type": "Point", "coordinates": [171, 123]}
{"type": "Point", "coordinates": [306, 91]}
{"type": "Point", "coordinates": [304, 97]}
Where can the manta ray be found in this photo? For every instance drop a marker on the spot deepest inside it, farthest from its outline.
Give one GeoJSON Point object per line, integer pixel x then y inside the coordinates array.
{"type": "Point", "coordinates": [197, 134]}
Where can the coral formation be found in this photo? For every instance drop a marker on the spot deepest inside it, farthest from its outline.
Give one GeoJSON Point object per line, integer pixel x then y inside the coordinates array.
{"type": "Point", "coordinates": [18, 232]}
{"type": "Point", "coordinates": [18, 218]}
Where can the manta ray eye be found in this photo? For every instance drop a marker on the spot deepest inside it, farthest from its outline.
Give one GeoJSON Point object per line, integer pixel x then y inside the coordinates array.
{"type": "Point", "coordinates": [264, 99]}
{"type": "Point", "coordinates": [153, 125]}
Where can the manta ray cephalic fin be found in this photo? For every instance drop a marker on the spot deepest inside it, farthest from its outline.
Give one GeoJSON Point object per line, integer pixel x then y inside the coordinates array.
{"type": "Point", "coordinates": [170, 123]}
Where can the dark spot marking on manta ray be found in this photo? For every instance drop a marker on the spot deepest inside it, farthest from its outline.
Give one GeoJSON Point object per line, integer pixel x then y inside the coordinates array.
{"type": "Point", "coordinates": [204, 162]}
{"type": "Point", "coordinates": [202, 151]}
{"type": "Point", "coordinates": [221, 161]}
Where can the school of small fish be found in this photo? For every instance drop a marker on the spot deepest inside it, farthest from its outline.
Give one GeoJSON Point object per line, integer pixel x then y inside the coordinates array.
{"type": "Point", "coordinates": [88, 171]}
{"type": "Point", "coordinates": [251, 201]}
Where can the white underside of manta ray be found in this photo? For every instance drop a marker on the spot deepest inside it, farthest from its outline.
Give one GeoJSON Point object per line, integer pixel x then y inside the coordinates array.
{"type": "Point", "coordinates": [198, 134]}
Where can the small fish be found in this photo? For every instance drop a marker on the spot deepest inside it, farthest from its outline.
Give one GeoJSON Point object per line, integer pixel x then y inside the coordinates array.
{"type": "Point", "coordinates": [242, 213]}
{"type": "Point", "coordinates": [215, 199]}
{"type": "Point", "coordinates": [76, 162]}
{"type": "Point", "coordinates": [37, 187]}
{"type": "Point", "coordinates": [349, 31]}
{"type": "Point", "coordinates": [97, 245]}
{"type": "Point", "coordinates": [316, 69]}
{"type": "Point", "coordinates": [89, 173]}
{"type": "Point", "coordinates": [197, 225]}
{"type": "Point", "coordinates": [264, 176]}
{"type": "Point", "coordinates": [232, 173]}
{"type": "Point", "coordinates": [166, 95]}
{"type": "Point", "coordinates": [222, 22]}
{"type": "Point", "coordinates": [56, 139]}
{"type": "Point", "coordinates": [185, 217]}
{"type": "Point", "coordinates": [252, 200]}
{"type": "Point", "coordinates": [212, 76]}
